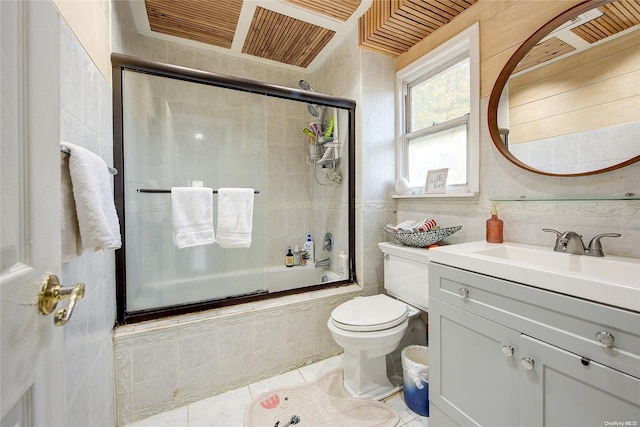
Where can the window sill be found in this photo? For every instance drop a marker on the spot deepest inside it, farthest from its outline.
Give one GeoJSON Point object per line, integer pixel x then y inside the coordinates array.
{"type": "Point", "coordinates": [433, 196]}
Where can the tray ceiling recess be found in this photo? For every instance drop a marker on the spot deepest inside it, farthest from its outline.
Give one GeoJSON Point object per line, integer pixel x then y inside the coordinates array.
{"type": "Point", "coordinates": [299, 33]}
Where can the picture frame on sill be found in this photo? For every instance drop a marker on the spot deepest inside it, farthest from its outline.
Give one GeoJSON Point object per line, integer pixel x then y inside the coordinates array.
{"type": "Point", "coordinates": [436, 182]}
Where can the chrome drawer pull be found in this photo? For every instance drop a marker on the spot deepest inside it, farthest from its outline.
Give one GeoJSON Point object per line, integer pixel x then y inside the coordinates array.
{"type": "Point", "coordinates": [464, 292]}
{"type": "Point", "coordinates": [528, 363]}
{"type": "Point", "coordinates": [507, 350]}
{"type": "Point", "coordinates": [605, 338]}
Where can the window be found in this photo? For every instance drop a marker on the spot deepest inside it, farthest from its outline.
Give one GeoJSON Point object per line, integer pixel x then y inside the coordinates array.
{"type": "Point", "coordinates": [439, 115]}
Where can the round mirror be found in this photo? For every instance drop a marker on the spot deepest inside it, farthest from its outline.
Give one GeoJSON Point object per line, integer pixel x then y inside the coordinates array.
{"type": "Point", "coordinates": [567, 102]}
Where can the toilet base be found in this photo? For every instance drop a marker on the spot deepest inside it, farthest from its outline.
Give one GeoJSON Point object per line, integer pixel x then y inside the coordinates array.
{"type": "Point", "coordinates": [366, 377]}
{"type": "Point", "coordinates": [377, 394]}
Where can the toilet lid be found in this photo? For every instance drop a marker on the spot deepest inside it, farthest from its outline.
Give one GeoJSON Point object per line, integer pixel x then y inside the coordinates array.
{"type": "Point", "coordinates": [372, 313]}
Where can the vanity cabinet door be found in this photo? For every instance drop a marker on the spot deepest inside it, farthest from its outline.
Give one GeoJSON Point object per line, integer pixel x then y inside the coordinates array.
{"type": "Point", "coordinates": [474, 364]}
{"type": "Point", "coordinates": [559, 388]}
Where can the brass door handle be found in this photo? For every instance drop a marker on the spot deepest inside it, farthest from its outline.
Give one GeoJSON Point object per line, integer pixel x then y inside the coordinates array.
{"type": "Point", "coordinates": [51, 292]}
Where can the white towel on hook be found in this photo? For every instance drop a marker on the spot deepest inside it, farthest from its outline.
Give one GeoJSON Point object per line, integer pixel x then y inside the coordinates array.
{"type": "Point", "coordinates": [192, 216]}
{"type": "Point", "coordinates": [235, 217]}
{"type": "Point", "coordinates": [96, 212]}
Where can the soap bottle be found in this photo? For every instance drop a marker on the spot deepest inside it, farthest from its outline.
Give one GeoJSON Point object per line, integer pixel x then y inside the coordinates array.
{"type": "Point", "coordinates": [308, 248]}
{"type": "Point", "coordinates": [288, 259]}
{"type": "Point", "coordinates": [494, 226]}
{"type": "Point", "coordinates": [296, 255]}
{"type": "Point", "coordinates": [343, 265]}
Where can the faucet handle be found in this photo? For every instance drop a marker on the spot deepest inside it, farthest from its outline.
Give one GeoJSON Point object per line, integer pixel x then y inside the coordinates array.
{"type": "Point", "coordinates": [595, 247]}
{"type": "Point", "coordinates": [551, 230]}
{"type": "Point", "coordinates": [559, 247]}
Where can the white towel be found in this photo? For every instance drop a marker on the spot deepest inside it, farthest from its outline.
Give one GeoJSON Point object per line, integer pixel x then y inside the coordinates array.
{"type": "Point", "coordinates": [97, 218]}
{"type": "Point", "coordinates": [71, 244]}
{"type": "Point", "coordinates": [192, 216]}
{"type": "Point", "coordinates": [235, 217]}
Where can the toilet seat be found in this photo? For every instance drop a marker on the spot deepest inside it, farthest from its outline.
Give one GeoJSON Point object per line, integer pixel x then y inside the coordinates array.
{"type": "Point", "coordinates": [369, 314]}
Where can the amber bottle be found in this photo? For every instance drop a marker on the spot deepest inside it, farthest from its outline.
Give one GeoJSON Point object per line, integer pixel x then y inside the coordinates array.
{"type": "Point", "coordinates": [494, 227]}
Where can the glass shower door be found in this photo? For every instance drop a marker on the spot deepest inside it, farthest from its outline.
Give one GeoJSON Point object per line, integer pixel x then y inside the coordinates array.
{"type": "Point", "coordinates": [182, 134]}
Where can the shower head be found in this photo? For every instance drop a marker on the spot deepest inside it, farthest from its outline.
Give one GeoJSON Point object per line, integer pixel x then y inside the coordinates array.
{"type": "Point", "coordinates": [313, 110]}
{"type": "Point", "coordinates": [305, 85]}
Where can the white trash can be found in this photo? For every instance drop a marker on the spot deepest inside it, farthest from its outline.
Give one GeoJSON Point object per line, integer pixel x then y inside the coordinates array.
{"type": "Point", "coordinates": [415, 378]}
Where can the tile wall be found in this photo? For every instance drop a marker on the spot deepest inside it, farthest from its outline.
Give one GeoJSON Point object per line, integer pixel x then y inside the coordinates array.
{"type": "Point", "coordinates": [368, 78]}
{"type": "Point", "coordinates": [85, 120]}
{"type": "Point", "coordinates": [581, 151]}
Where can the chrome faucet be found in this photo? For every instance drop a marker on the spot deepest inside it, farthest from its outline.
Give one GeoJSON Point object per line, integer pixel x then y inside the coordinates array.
{"type": "Point", "coordinates": [571, 242]}
{"type": "Point", "coordinates": [324, 263]}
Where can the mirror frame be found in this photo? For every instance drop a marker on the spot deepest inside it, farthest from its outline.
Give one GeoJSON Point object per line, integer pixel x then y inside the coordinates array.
{"type": "Point", "coordinates": [505, 74]}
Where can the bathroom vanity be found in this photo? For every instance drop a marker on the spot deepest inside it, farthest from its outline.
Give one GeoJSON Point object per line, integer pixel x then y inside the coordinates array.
{"type": "Point", "coordinates": [515, 343]}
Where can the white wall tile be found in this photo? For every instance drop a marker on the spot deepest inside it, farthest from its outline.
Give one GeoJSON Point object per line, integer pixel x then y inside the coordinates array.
{"type": "Point", "coordinates": [85, 119]}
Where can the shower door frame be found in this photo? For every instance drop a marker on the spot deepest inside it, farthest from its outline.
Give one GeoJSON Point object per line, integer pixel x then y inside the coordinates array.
{"type": "Point", "coordinates": [120, 64]}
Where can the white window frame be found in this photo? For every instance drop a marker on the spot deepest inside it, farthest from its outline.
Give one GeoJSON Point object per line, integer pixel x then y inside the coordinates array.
{"type": "Point", "coordinates": [465, 43]}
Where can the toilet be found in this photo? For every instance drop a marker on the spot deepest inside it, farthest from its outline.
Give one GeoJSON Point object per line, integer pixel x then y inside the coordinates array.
{"type": "Point", "coordinates": [374, 329]}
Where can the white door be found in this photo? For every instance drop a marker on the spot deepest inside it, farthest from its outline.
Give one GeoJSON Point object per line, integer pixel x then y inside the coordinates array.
{"type": "Point", "coordinates": [31, 376]}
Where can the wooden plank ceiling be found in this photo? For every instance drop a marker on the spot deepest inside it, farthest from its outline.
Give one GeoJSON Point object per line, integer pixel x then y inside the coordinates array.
{"type": "Point", "coordinates": [212, 22]}
{"type": "Point", "coordinates": [339, 9]}
{"type": "Point", "coordinates": [284, 39]}
{"type": "Point", "coordinates": [543, 52]}
{"type": "Point", "coordinates": [616, 17]}
{"type": "Point", "coordinates": [270, 35]}
{"type": "Point", "coordinates": [389, 26]}
{"type": "Point", "coordinates": [393, 26]}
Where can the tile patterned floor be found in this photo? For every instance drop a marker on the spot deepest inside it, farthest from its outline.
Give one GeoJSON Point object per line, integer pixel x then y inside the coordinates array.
{"type": "Point", "coordinates": [227, 409]}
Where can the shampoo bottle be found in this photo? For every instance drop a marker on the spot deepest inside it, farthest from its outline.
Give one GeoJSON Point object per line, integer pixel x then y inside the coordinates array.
{"type": "Point", "coordinates": [288, 258]}
{"type": "Point", "coordinates": [296, 255]}
{"type": "Point", "coordinates": [343, 265]}
{"type": "Point", "coordinates": [494, 226]}
{"type": "Point", "coordinates": [308, 248]}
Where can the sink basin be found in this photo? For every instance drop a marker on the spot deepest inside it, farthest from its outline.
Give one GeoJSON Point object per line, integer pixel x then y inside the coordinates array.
{"type": "Point", "coordinates": [610, 280]}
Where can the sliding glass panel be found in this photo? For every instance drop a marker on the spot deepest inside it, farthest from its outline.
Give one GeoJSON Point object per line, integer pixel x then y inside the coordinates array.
{"type": "Point", "coordinates": [179, 133]}
{"type": "Point", "coordinates": [182, 134]}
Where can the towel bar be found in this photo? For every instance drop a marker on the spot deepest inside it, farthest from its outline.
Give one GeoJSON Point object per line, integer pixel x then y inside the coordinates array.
{"type": "Point", "coordinates": [155, 190]}
{"type": "Point", "coordinates": [65, 150]}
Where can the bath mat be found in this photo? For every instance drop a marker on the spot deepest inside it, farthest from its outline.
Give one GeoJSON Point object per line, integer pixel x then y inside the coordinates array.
{"type": "Point", "coordinates": [321, 403]}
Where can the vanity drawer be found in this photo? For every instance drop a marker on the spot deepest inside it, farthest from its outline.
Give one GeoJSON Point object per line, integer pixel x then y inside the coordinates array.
{"type": "Point", "coordinates": [565, 321]}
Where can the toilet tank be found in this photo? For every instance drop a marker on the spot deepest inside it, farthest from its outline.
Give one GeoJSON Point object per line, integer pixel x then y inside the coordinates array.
{"type": "Point", "coordinates": [406, 273]}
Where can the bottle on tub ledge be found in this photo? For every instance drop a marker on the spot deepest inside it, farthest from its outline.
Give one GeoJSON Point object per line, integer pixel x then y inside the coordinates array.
{"type": "Point", "coordinates": [308, 248]}
{"type": "Point", "coordinates": [494, 226]}
{"type": "Point", "coordinates": [288, 258]}
{"type": "Point", "coordinates": [296, 255]}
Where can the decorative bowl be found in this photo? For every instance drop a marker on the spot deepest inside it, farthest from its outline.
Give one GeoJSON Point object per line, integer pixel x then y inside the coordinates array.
{"type": "Point", "coordinates": [424, 238]}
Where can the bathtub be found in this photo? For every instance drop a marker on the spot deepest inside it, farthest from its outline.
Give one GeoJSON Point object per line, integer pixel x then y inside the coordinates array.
{"type": "Point", "coordinates": [286, 278]}
{"type": "Point", "coordinates": [168, 363]}
{"type": "Point", "coordinates": [226, 285]}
